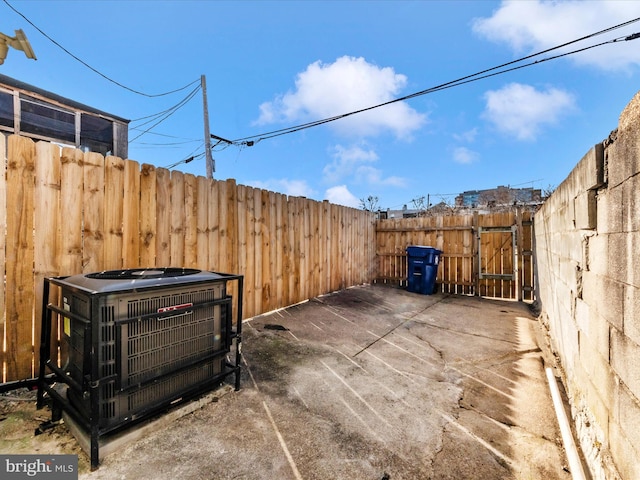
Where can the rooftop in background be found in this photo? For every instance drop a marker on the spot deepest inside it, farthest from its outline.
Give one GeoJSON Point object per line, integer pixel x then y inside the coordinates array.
{"type": "Point", "coordinates": [499, 196]}
{"type": "Point", "coordinates": [483, 201]}
{"type": "Point", "coordinates": [33, 112]}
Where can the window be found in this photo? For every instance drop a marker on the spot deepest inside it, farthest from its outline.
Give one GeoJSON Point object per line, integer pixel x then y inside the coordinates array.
{"type": "Point", "coordinates": [6, 109]}
{"type": "Point", "coordinates": [96, 133]}
{"type": "Point", "coordinates": [45, 120]}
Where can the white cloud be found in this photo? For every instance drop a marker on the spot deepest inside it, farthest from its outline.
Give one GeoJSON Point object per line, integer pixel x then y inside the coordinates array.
{"type": "Point", "coordinates": [521, 110]}
{"type": "Point", "coordinates": [341, 195]}
{"type": "Point", "coordinates": [373, 176]}
{"type": "Point", "coordinates": [464, 156]}
{"type": "Point", "coordinates": [349, 84]}
{"type": "Point", "coordinates": [468, 137]}
{"type": "Point", "coordinates": [356, 163]}
{"type": "Point", "coordinates": [537, 25]}
{"type": "Point", "coordinates": [294, 188]}
{"type": "Point", "coordinates": [346, 161]}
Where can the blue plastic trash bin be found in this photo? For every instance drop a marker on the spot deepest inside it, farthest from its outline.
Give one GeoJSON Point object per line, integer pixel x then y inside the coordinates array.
{"type": "Point", "coordinates": [422, 268]}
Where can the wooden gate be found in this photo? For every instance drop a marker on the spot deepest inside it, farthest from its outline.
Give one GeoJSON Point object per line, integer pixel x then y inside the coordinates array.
{"type": "Point", "coordinates": [487, 255]}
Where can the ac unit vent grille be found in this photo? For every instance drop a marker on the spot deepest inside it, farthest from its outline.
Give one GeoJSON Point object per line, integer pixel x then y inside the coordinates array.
{"type": "Point", "coordinates": [144, 306]}
{"type": "Point", "coordinates": [162, 389]}
{"type": "Point", "coordinates": [108, 340]}
{"type": "Point", "coordinates": [156, 345]}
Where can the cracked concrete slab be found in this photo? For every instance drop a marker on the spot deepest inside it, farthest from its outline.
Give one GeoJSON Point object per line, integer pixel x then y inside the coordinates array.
{"type": "Point", "coordinates": [371, 382]}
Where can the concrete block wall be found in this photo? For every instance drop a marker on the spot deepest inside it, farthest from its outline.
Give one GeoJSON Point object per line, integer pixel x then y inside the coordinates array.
{"type": "Point", "coordinates": [588, 263]}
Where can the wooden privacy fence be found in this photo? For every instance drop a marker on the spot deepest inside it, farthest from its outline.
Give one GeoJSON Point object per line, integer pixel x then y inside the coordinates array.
{"type": "Point", "coordinates": [487, 255]}
{"type": "Point", "coordinates": [64, 212]}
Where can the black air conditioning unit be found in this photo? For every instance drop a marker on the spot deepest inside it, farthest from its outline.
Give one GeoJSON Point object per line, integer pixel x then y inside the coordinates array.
{"type": "Point", "coordinates": [133, 342]}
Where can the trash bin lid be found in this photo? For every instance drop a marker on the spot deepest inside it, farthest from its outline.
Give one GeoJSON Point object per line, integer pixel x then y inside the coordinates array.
{"type": "Point", "coordinates": [422, 250]}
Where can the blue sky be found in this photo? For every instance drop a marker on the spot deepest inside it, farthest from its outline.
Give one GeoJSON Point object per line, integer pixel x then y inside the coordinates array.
{"type": "Point", "coordinates": [271, 65]}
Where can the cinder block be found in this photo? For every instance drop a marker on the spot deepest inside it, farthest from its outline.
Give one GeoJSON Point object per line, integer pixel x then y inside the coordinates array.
{"type": "Point", "coordinates": [592, 397]}
{"type": "Point", "coordinates": [589, 173]}
{"type": "Point", "coordinates": [633, 259]}
{"type": "Point", "coordinates": [617, 257]}
{"type": "Point", "coordinates": [626, 413]}
{"type": "Point", "coordinates": [590, 292]}
{"type": "Point", "coordinates": [632, 313]}
{"type": "Point", "coordinates": [594, 330]}
{"type": "Point", "coordinates": [624, 153]}
{"type": "Point", "coordinates": [625, 454]}
{"type": "Point", "coordinates": [611, 301]}
{"type": "Point", "coordinates": [631, 204]}
{"type": "Point", "coordinates": [622, 159]}
{"type": "Point", "coordinates": [602, 211]}
{"type": "Point", "coordinates": [571, 214]}
{"type": "Point", "coordinates": [614, 212]}
{"type": "Point", "coordinates": [568, 272]}
{"type": "Point", "coordinates": [585, 210]}
{"type": "Point", "coordinates": [569, 342]}
{"type": "Point", "coordinates": [625, 360]}
{"type": "Point", "coordinates": [598, 259]}
{"type": "Point", "coordinates": [600, 372]}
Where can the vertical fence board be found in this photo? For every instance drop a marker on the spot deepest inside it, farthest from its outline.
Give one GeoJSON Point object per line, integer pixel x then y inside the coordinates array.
{"type": "Point", "coordinates": [304, 273]}
{"type": "Point", "coordinates": [190, 221]}
{"type": "Point", "coordinates": [228, 239]}
{"type": "Point", "coordinates": [278, 244]}
{"type": "Point", "coordinates": [267, 262]}
{"type": "Point", "coordinates": [336, 246]}
{"type": "Point", "coordinates": [286, 248]}
{"type": "Point", "coordinates": [247, 249]}
{"type": "Point", "coordinates": [258, 252]}
{"type": "Point", "coordinates": [178, 214]}
{"type": "Point", "coordinates": [148, 227]}
{"type": "Point", "coordinates": [232, 226]}
{"type": "Point", "coordinates": [202, 215]}
{"type": "Point", "coordinates": [241, 236]}
{"type": "Point", "coordinates": [163, 218]}
{"type": "Point", "coordinates": [3, 229]}
{"type": "Point", "coordinates": [314, 252]}
{"type": "Point", "coordinates": [93, 215]}
{"type": "Point", "coordinates": [71, 184]}
{"type": "Point", "coordinates": [214, 227]}
{"type": "Point", "coordinates": [19, 267]}
{"type": "Point", "coordinates": [274, 266]}
{"type": "Point", "coordinates": [325, 248]}
{"type": "Point", "coordinates": [223, 229]}
{"type": "Point", "coordinates": [113, 213]}
{"type": "Point", "coordinates": [294, 250]}
{"type": "Point", "coordinates": [131, 215]}
{"type": "Point", "coordinates": [46, 228]}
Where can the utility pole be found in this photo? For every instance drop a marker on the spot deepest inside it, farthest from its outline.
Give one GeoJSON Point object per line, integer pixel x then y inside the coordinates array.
{"type": "Point", "coordinates": [207, 136]}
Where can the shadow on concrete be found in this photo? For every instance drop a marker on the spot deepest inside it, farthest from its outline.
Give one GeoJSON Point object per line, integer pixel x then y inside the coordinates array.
{"type": "Point", "coordinates": [368, 383]}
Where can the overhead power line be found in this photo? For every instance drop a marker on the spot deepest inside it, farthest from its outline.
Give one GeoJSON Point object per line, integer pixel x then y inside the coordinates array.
{"type": "Point", "coordinates": [501, 69]}
{"type": "Point", "coordinates": [166, 114]}
{"type": "Point", "coordinates": [186, 160]}
{"type": "Point", "coordinates": [94, 69]}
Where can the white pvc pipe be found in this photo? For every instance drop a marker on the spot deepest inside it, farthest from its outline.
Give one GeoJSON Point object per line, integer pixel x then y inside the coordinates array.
{"type": "Point", "coordinates": [575, 465]}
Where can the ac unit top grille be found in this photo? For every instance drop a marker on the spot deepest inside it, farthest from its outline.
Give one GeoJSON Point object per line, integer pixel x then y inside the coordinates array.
{"type": "Point", "coordinates": [142, 273]}
{"type": "Point", "coordinates": [137, 279]}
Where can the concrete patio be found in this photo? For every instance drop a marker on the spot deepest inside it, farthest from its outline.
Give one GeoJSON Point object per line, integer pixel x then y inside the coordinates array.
{"type": "Point", "coordinates": [371, 383]}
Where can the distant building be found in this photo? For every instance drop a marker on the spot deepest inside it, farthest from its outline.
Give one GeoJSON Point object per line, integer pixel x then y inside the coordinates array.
{"type": "Point", "coordinates": [498, 197]}
{"type": "Point", "coordinates": [439, 209]}
{"type": "Point", "coordinates": [41, 115]}
{"type": "Point", "coordinates": [474, 200]}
